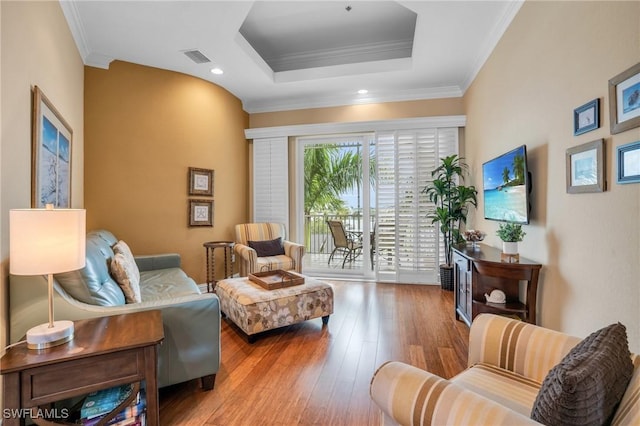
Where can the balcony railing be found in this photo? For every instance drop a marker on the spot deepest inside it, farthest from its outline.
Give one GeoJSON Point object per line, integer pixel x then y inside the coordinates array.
{"type": "Point", "coordinates": [318, 239]}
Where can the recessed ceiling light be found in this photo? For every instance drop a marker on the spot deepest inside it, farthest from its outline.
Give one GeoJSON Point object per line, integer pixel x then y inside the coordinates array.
{"type": "Point", "coordinates": [363, 91]}
{"type": "Point", "coordinates": [216, 71]}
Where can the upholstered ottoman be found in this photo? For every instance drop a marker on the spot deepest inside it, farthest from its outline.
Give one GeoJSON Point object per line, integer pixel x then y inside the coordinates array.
{"type": "Point", "coordinates": [255, 309]}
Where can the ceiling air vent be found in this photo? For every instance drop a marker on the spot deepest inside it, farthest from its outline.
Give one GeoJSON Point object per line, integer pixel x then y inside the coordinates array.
{"type": "Point", "coordinates": [196, 56]}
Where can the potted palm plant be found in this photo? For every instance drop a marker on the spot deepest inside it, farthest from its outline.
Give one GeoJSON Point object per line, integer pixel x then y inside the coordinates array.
{"type": "Point", "coordinates": [452, 201]}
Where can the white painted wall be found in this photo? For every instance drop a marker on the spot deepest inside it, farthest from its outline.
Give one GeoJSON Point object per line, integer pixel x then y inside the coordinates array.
{"type": "Point", "coordinates": [555, 57]}
{"type": "Point", "coordinates": [36, 48]}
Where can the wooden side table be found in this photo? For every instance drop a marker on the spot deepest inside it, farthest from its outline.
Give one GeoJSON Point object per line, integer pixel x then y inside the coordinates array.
{"type": "Point", "coordinates": [105, 352]}
{"type": "Point", "coordinates": [210, 248]}
{"type": "Point", "coordinates": [479, 270]}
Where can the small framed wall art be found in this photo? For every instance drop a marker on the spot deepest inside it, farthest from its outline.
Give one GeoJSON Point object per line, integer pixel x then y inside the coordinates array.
{"type": "Point", "coordinates": [586, 117]}
{"type": "Point", "coordinates": [585, 168]}
{"type": "Point", "coordinates": [200, 212]}
{"type": "Point", "coordinates": [201, 182]}
{"type": "Point", "coordinates": [624, 100]}
{"type": "Point", "coordinates": [628, 163]}
{"type": "Point", "coordinates": [50, 155]}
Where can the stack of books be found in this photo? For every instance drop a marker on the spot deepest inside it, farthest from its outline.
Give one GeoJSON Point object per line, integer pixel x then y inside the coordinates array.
{"type": "Point", "coordinates": [98, 405]}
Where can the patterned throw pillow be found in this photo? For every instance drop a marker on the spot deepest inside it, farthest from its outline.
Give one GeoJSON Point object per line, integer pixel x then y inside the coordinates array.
{"type": "Point", "coordinates": [268, 247]}
{"type": "Point", "coordinates": [126, 273]}
{"type": "Point", "coordinates": [588, 384]}
{"type": "Point", "coordinates": [122, 247]}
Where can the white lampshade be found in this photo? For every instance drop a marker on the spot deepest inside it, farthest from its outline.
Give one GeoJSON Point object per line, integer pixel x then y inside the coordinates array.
{"type": "Point", "coordinates": [46, 241]}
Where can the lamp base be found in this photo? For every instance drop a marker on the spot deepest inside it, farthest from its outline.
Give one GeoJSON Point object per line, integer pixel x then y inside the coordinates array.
{"type": "Point", "coordinates": [42, 336]}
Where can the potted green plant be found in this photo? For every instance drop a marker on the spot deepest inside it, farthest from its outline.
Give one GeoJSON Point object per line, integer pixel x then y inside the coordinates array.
{"type": "Point", "coordinates": [452, 201]}
{"type": "Point", "coordinates": [510, 234]}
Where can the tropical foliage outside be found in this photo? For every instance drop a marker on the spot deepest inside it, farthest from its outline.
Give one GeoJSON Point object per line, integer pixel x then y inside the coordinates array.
{"type": "Point", "coordinates": [330, 171]}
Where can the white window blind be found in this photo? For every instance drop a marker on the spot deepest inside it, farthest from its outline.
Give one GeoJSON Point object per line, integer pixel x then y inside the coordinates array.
{"type": "Point", "coordinates": [409, 247]}
{"type": "Point", "coordinates": [271, 180]}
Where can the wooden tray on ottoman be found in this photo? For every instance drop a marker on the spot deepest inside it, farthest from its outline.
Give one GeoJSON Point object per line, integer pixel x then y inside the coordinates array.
{"type": "Point", "coordinates": [272, 280]}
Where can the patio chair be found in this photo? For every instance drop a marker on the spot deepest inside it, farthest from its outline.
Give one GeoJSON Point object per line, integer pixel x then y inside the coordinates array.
{"type": "Point", "coordinates": [349, 243]}
{"type": "Point", "coordinates": [372, 244]}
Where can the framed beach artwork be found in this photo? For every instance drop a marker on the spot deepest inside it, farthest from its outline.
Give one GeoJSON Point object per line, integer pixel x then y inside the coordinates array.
{"type": "Point", "coordinates": [50, 155]}
{"type": "Point", "coordinates": [585, 168]}
{"type": "Point", "coordinates": [624, 100]}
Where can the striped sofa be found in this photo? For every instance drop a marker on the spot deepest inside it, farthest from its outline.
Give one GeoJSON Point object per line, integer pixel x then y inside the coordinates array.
{"type": "Point", "coordinates": [508, 360]}
{"type": "Point", "coordinates": [248, 259]}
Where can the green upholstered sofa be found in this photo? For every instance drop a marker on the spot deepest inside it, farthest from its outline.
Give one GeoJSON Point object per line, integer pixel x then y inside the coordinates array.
{"type": "Point", "coordinates": [191, 320]}
{"type": "Point", "coordinates": [508, 361]}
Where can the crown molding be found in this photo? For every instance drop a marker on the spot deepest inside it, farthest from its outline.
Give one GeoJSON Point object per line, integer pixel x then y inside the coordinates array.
{"type": "Point", "coordinates": [366, 52]}
{"type": "Point", "coordinates": [72, 15]}
{"type": "Point", "coordinates": [288, 104]}
{"type": "Point", "coordinates": [511, 10]}
{"type": "Point", "coordinates": [356, 126]}
{"type": "Point", "coordinates": [98, 60]}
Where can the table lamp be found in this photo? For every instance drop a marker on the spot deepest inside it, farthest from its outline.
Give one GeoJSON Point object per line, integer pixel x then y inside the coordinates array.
{"type": "Point", "coordinates": [47, 241]}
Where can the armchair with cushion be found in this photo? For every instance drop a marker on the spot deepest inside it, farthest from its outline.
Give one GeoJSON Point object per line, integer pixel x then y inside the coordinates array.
{"type": "Point", "coordinates": [191, 320]}
{"type": "Point", "coordinates": [519, 374]}
{"type": "Point", "coordinates": [263, 247]}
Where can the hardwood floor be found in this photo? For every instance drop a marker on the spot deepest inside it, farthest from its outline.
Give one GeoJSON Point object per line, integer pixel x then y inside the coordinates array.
{"type": "Point", "coordinates": [306, 374]}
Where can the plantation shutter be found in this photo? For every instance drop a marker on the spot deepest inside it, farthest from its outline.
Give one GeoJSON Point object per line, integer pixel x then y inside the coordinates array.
{"type": "Point", "coordinates": [409, 246]}
{"type": "Point", "coordinates": [271, 180]}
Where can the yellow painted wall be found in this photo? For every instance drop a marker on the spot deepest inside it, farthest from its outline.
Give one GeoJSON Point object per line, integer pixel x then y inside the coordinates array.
{"type": "Point", "coordinates": [349, 113]}
{"type": "Point", "coordinates": [36, 48]}
{"type": "Point", "coordinates": [555, 57]}
{"type": "Point", "coordinates": [144, 128]}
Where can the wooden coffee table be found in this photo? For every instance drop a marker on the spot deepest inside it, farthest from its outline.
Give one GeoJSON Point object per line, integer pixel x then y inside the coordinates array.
{"type": "Point", "coordinates": [105, 352]}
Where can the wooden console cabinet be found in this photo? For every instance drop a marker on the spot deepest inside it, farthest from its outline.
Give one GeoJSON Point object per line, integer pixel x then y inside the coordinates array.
{"type": "Point", "coordinates": [480, 270]}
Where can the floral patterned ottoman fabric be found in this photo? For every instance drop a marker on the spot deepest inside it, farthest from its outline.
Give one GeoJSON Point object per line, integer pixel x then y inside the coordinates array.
{"type": "Point", "coordinates": [254, 309]}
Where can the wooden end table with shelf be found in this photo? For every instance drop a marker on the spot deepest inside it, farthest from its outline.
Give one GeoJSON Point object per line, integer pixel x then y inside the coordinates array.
{"type": "Point", "coordinates": [105, 352]}
{"type": "Point", "coordinates": [479, 270]}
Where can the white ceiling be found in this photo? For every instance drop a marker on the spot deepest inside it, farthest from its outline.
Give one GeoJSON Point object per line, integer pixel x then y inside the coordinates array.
{"type": "Point", "coordinates": [322, 52]}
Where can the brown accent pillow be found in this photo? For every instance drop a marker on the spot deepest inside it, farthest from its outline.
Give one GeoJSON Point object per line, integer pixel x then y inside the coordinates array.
{"type": "Point", "coordinates": [588, 384]}
{"type": "Point", "coordinates": [267, 247]}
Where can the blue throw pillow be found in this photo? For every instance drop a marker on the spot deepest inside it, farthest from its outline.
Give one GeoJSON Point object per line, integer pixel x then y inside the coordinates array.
{"type": "Point", "coordinates": [267, 247]}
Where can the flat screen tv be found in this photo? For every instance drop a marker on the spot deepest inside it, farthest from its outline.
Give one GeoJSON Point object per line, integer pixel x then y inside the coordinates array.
{"type": "Point", "coordinates": [506, 186]}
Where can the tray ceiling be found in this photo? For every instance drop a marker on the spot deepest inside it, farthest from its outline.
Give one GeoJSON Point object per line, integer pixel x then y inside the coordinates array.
{"type": "Point", "coordinates": [299, 54]}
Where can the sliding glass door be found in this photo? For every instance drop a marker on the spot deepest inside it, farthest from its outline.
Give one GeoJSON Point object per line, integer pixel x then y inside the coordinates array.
{"type": "Point", "coordinates": [361, 206]}
{"type": "Point", "coordinates": [335, 193]}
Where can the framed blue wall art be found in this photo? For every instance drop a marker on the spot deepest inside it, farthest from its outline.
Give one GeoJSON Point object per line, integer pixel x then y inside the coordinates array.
{"type": "Point", "coordinates": [628, 162]}
{"type": "Point", "coordinates": [586, 117]}
{"type": "Point", "coordinates": [51, 155]}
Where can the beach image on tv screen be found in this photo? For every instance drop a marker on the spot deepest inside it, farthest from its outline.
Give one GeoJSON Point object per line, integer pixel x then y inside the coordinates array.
{"type": "Point", "coordinates": [505, 192]}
